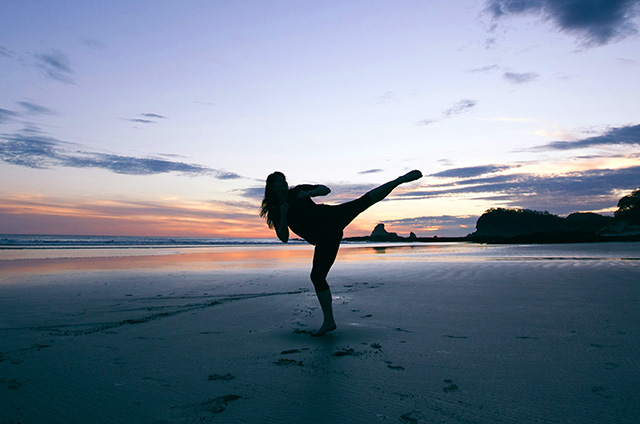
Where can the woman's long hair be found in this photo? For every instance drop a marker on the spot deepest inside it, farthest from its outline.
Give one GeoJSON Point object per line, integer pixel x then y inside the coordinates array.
{"type": "Point", "coordinates": [270, 209]}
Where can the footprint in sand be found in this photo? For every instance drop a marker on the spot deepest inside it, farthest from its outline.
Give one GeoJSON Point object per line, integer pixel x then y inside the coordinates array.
{"type": "Point", "coordinates": [395, 367]}
{"type": "Point", "coordinates": [600, 346]}
{"type": "Point", "coordinates": [290, 351]}
{"type": "Point", "coordinates": [12, 384]}
{"type": "Point", "coordinates": [216, 377]}
{"type": "Point", "coordinates": [451, 386]}
{"type": "Point", "coordinates": [216, 405]}
{"type": "Point", "coordinates": [346, 352]}
{"type": "Point", "coordinates": [600, 391]}
{"type": "Point", "coordinates": [288, 362]}
{"type": "Point", "coordinates": [204, 411]}
{"type": "Point", "coordinates": [407, 418]}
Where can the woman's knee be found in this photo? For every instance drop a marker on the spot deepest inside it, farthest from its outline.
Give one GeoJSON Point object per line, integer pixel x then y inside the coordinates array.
{"type": "Point", "coordinates": [319, 280]}
{"type": "Point", "coordinates": [317, 276]}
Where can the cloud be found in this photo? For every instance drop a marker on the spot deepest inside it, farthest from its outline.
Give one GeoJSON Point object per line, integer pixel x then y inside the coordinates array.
{"type": "Point", "coordinates": [593, 22]}
{"type": "Point", "coordinates": [458, 108]}
{"type": "Point", "coordinates": [153, 115]}
{"type": "Point", "coordinates": [425, 122]}
{"type": "Point", "coordinates": [445, 162]}
{"type": "Point", "coordinates": [563, 193]}
{"type": "Point", "coordinates": [31, 149]}
{"type": "Point", "coordinates": [204, 103]}
{"type": "Point", "coordinates": [7, 53]}
{"type": "Point", "coordinates": [128, 165]}
{"type": "Point", "coordinates": [471, 171]}
{"type": "Point", "coordinates": [35, 109]}
{"type": "Point", "coordinates": [626, 135]}
{"type": "Point", "coordinates": [147, 118]}
{"type": "Point", "coordinates": [490, 43]}
{"type": "Point", "coordinates": [40, 213]}
{"type": "Point", "coordinates": [141, 121]}
{"type": "Point", "coordinates": [386, 98]}
{"type": "Point", "coordinates": [225, 175]}
{"type": "Point", "coordinates": [488, 68]}
{"type": "Point", "coordinates": [572, 184]}
{"type": "Point", "coordinates": [370, 171]}
{"type": "Point", "coordinates": [627, 62]}
{"type": "Point", "coordinates": [29, 107]}
{"type": "Point", "coordinates": [253, 193]}
{"type": "Point", "coordinates": [28, 149]}
{"type": "Point", "coordinates": [520, 78]}
{"type": "Point", "coordinates": [56, 65]}
{"type": "Point", "coordinates": [93, 44]}
{"type": "Point", "coordinates": [7, 115]}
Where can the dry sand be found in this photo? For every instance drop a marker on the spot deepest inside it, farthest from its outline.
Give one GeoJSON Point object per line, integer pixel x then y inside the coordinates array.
{"type": "Point", "coordinates": [553, 340]}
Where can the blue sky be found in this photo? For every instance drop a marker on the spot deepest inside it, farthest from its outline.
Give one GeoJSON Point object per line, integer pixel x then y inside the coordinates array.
{"type": "Point", "coordinates": [164, 118]}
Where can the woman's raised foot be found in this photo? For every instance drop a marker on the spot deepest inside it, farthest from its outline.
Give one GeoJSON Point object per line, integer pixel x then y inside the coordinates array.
{"type": "Point", "coordinates": [411, 176]}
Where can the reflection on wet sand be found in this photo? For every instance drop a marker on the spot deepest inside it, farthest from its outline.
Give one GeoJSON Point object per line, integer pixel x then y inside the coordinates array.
{"type": "Point", "coordinates": [154, 259]}
{"type": "Point", "coordinates": [45, 261]}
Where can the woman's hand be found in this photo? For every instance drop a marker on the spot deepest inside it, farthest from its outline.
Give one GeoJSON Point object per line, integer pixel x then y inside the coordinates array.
{"type": "Point", "coordinates": [318, 191]}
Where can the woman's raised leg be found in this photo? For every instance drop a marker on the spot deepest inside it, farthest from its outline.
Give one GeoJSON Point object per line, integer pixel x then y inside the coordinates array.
{"type": "Point", "coordinates": [379, 193]}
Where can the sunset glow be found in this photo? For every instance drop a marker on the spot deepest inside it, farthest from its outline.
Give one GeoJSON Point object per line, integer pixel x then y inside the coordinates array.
{"type": "Point", "coordinates": [166, 120]}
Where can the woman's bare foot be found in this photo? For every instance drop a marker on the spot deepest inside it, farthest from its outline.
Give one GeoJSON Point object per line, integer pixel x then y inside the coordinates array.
{"type": "Point", "coordinates": [411, 176]}
{"type": "Point", "coordinates": [326, 327]}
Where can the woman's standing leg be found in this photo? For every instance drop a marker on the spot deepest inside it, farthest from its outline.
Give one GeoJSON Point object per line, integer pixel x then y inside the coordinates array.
{"type": "Point", "coordinates": [324, 256]}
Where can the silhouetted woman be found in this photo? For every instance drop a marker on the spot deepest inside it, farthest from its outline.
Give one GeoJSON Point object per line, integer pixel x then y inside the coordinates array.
{"type": "Point", "coordinates": [320, 225]}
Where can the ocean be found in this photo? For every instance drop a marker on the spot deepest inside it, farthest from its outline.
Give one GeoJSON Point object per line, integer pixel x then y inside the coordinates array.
{"type": "Point", "coordinates": [29, 241]}
{"type": "Point", "coordinates": [13, 247]}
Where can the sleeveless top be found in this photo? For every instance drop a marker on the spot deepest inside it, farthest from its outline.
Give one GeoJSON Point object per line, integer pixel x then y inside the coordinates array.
{"type": "Point", "coordinates": [306, 218]}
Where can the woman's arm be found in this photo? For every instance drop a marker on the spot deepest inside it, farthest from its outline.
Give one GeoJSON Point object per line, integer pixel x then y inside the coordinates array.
{"type": "Point", "coordinates": [320, 190]}
{"type": "Point", "coordinates": [283, 228]}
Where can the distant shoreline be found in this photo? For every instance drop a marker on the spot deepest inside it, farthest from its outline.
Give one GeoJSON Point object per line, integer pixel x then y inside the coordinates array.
{"type": "Point", "coordinates": [535, 238]}
{"type": "Point", "coordinates": [68, 243]}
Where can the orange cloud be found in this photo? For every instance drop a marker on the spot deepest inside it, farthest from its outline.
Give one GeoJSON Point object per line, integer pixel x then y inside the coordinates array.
{"type": "Point", "coordinates": [36, 214]}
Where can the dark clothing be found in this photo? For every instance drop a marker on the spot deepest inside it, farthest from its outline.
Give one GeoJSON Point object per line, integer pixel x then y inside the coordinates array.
{"type": "Point", "coordinates": [304, 215]}
{"type": "Point", "coordinates": [322, 226]}
{"type": "Point", "coordinates": [320, 223]}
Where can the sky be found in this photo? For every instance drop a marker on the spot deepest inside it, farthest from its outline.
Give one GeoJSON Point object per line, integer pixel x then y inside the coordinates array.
{"type": "Point", "coordinates": [165, 118]}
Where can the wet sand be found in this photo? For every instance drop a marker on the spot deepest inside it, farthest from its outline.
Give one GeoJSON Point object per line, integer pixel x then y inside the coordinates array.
{"type": "Point", "coordinates": [180, 340]}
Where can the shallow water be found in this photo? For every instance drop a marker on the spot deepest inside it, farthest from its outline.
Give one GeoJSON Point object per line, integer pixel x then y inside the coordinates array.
{"type": "Point", "coordinates": [22, 262]}
{"type": "Point", "coordinates": [474, 251]}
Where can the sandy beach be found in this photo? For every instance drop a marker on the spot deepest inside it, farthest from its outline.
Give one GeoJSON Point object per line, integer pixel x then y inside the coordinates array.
{"type": "Point", "coordinates": [445, 333]}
